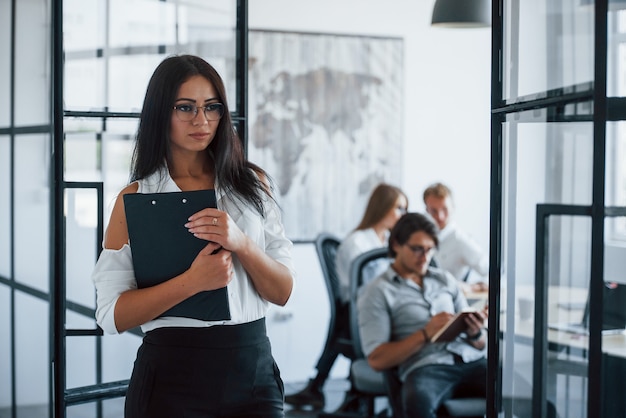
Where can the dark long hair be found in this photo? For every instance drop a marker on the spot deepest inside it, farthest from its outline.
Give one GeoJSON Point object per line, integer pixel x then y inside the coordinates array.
{"type": "Point", "coordinates": [233, 171]}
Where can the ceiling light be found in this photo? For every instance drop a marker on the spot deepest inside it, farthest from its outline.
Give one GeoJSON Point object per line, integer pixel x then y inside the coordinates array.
{"type": "Point", "coordinates": [462, 13]}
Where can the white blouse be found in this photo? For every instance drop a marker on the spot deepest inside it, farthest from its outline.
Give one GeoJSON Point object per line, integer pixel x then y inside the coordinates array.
{"type": "Point", "coordinates": [356, 243]}
{"type": "Point", "coordinates": [114, 274]}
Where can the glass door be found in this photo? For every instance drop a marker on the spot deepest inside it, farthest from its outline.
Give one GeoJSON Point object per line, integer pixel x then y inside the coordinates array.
{"type": "Point", "coordinates": [72, 78]}
{"type": "Point", "coordinates": [110, 49]}
{"type": "Point", "coordinates": [557, 289]}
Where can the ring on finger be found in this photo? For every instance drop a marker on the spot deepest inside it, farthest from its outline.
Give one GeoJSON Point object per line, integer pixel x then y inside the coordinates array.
{"type": "Point", "coordinates": [214, 221]}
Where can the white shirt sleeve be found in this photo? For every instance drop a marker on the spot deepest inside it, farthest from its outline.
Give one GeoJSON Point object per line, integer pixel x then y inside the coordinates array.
{"type": "Point", "coordinates": [277, 245]}
{"type": "Point", "coordinates": [112, 276]}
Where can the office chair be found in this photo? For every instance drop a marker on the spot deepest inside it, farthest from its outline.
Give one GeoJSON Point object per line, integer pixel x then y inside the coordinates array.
{"type": "Point", "coordinates": [373, 383]}
{"type": "Point", "coordinates": [338, 338]}
{"type": "Point", "coordinates": [338, 333]}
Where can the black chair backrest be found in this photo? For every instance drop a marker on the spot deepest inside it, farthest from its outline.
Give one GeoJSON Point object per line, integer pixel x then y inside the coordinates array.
{"type": "Point", "coordinates": [392, 382]}
{"type": "Point", "coordinates": [356, 281]}
{"type": "Point", "coordinates": [326, 246]}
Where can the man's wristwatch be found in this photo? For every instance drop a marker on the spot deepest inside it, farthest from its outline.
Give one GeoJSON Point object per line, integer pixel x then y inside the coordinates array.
{"type": "Point", "coordinates": [475, 337]}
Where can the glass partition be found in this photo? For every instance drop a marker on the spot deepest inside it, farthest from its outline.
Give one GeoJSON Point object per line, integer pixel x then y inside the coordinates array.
{"type": "Point", "coordinates": [616, 53]}
{"type": "Point", "coordinates": [32, 211]}
{"type": "Point", "coordinates": [33, 77]}
{"type": "Point", "coordinates": [5, 347]}
{"type": "Point", "coordinates": [559, 226]}
{"type": "Point", "coordinates": [111, 49]}
{"type": "Point", "coordinates": [546, 265]}
{"type": "Point", "coordinates": [567, 314]}
{"type": "Point", "coordinates": [614, 345]}
{"type": "Point", "coordinates": [32, 359]}
{"type": "Point", "coordinates": [5, 64]}
{"type": "Point", "coordinates": [545, 165]}
{"type": "Point", "coordinates": [94, 154]}
{"type": "Point", "coordinates": [5, 206]}
{"type": "Point", "coordinates": [113, 46]}
{"type": "Point", "coordinates": [547, 45]}
{"type": "Point", "coordinates": [82, 248]}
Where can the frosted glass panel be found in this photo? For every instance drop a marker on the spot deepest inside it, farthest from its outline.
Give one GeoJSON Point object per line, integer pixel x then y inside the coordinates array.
{"type": "Point", "coordinates": [5, 62]}
{"type": "Point", "coordinates": [32, 210]}
{"type": "Point", "coordinates": [81, 353]}
{"type": "Point", "coordinates": [5, 206]}
{"type": "Point", "coordinates": [32, 363]}
{"type": "Point", "coordinates": [5, 346]}
{"type": "Point", "coordinates": [113, 46]}
{"type": "Point", "coordinates": [81, 245]}
{"type": "Point", "coordinates": [547, 45]}
{"type": "Point", "coordinates": [32, 63]}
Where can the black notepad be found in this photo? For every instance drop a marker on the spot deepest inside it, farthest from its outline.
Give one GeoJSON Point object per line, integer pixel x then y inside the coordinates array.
{"type": "Point", "coordinates": [163, 248]}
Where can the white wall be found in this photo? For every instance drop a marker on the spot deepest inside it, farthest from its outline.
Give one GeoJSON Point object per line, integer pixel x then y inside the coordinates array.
{"type": "Point", "coordinates": [447, 97]}
{"type": "Point", "coordinates": [446, 136]}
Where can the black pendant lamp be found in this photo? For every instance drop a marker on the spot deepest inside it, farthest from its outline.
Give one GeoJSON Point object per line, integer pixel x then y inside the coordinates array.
{"type": "Point", "coordinates": [462, 13]}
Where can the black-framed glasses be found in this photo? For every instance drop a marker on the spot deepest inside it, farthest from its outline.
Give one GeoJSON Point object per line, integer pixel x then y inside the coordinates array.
{"type": "Point", "coordinates": [187, 112]}
{"type": "Point", "coordinates": [420, 251]}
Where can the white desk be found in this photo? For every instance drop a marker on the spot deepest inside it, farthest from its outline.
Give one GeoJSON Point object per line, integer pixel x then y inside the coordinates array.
{"type": "Point", "coordinates": [567, 352]}
{"type": "Point", "coordinates": [614, 345]}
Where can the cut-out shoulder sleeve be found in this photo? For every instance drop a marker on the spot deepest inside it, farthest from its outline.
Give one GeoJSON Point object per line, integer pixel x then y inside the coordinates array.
{"type": "Point", "coordinates": [116, 234]}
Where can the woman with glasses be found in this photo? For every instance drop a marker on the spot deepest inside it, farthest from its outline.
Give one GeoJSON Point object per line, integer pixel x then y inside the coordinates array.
{"type": "Point", "coordinates": [386, 205]}
{"type": "Point", "coordinates": [187, 366]}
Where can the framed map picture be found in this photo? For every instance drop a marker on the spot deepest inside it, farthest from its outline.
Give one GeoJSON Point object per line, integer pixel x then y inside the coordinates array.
{"type": "Point", "coordinates": [325, 121]}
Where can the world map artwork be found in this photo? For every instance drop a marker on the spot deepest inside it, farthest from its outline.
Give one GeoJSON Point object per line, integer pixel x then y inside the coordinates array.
{"type": "Point", "coordinates": [326, 124]}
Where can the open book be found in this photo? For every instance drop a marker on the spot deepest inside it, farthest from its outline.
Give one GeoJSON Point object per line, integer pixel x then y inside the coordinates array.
{"type": "Point", "coordinates": [456, 324]}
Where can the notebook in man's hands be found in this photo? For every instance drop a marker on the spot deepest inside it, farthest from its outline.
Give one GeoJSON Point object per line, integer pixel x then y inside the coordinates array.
{"type": "Point", "coordinates": [456, 325]}
{"type": "Point", "coordinates": [162, 248]}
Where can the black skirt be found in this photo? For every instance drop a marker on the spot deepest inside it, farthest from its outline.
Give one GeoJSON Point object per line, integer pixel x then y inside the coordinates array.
{"type": "Point", "coordinates": [218, 371]}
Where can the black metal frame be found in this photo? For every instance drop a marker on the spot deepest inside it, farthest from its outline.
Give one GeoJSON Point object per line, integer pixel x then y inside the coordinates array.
{"type": "Point", "coordinates": [12, 212]}
{"type": "Point", "coordinates": [541, 345]}
{"type": "Point", "coordinates": [540, 342]}
{"type": "Point", "coordinates": [554, 102]}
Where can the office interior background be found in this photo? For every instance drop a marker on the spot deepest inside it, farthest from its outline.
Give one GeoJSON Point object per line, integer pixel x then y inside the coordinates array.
{"type": "Point", "coordinates": [445, 135]}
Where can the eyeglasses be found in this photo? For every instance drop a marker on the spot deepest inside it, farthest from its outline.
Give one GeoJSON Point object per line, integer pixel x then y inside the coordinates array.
{"type": "Point", "coordinates": [420, 251]}
{"type": "Point", "coordinates": [401, 209]}
{"type": "Point", "coordinates": [188, 112]}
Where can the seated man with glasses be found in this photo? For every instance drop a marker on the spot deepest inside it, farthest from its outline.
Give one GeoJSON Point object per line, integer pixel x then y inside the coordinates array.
{"type": "Point", "coordinates": [404, 307]}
